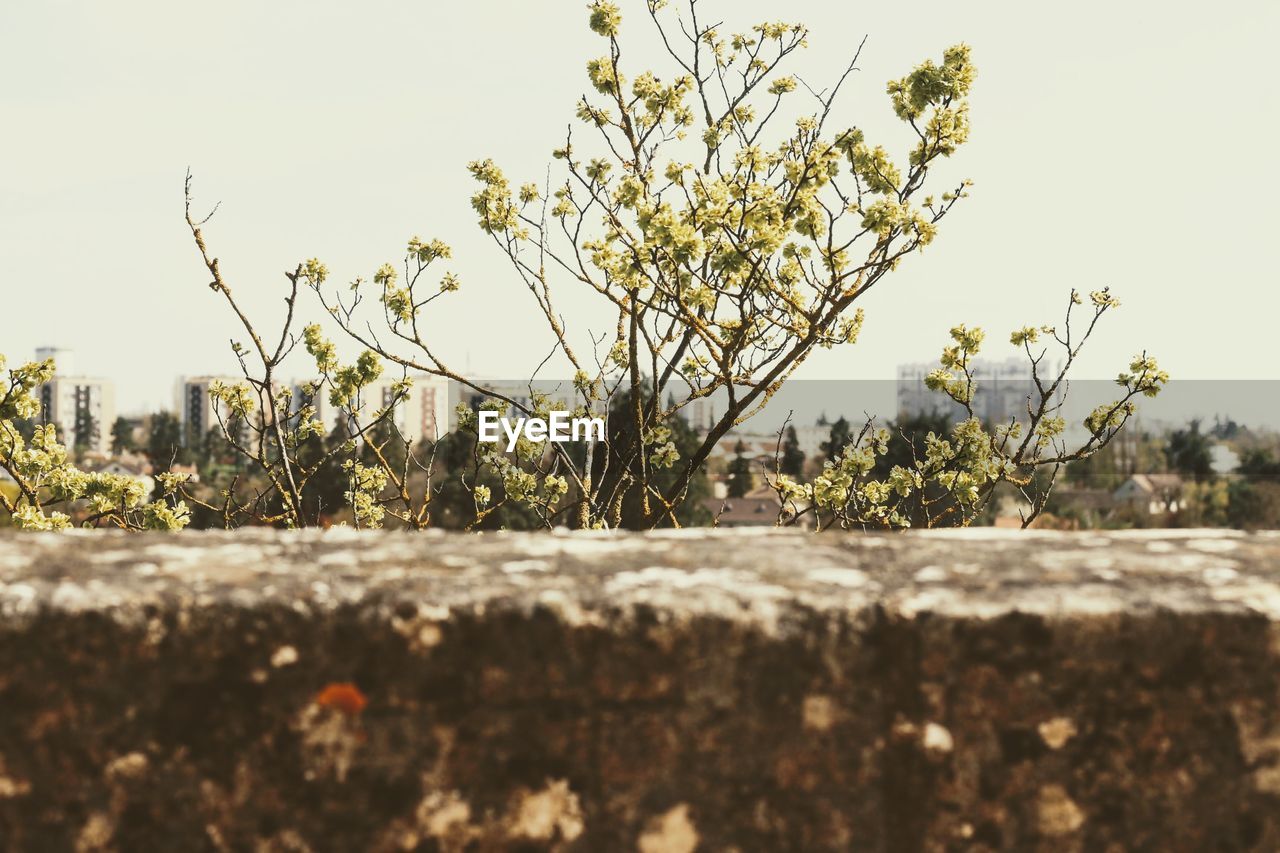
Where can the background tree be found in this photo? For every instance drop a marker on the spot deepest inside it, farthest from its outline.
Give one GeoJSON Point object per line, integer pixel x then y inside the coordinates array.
{"type": "Point", "coordinates": [1102, 470]}
{"type": "Point", "coordinates": [1254, 504]}
{"type": "Point", "coordinates": [959, 474]}
{"type": "Point", "coordinates": [792, 463]}
{"type": "Point", "coordinates": [1259, 465]}
{"type": "Point", "coordinates": [122, 436]}
{"type": "Point", "coordinates": [693, 510]}
{"type": "Point", "coordinates": [740, 479]}
{"type": "Point", "coordinates": [324, 493]}
{"type": "Point", "coordinates": [1137, 451]}
{"type": "Point", "coordinates": [1204, 503]}
{"type": "Point", "coordinates": [1226, 429]}
{"type": "Point", "coordinates": [1189, 452]}
{"type": "Point", "coordinates": [472, 493]}
{"type": "Point", "coordinates": [909, 439]}
{"type": "Point", "coordinates": [43, 477]}
{"type": "Point", "coordinates": [1254, 495]}
{"type": "Point", "coordinates": [908, 442]}
{"type": "Point", "coordinates": [213, 456]}
{"type": "Point", "coordinates": [266, 423]}
{"type": "Point", "coordinates": [727, 246]}
{"type": "Point", "coordinates": [630, 511]}
{"type": "Point", "coordinates": [722, 247]}
{"type": "Point", "coordinates": [838, 439]}
{"type": "Point", "coordinates": [164, 442]}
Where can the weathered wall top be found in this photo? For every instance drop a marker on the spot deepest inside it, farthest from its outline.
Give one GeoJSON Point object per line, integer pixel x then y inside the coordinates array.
{"type": "Point", "coordinates": [752, 576]}
{"type": "Point", "coordinates": [691, 690]}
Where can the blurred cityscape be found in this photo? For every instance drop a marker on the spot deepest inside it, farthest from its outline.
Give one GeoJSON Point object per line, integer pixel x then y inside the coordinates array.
{"type": "Point", "coordinates": [1205, 453]}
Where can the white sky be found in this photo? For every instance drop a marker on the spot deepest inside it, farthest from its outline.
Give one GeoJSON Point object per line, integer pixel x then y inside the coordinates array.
{"type": "Point", "coordinates": [1129, 144]}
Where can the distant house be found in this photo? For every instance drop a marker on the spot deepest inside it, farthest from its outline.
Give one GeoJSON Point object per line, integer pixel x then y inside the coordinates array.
{"type": "Point", "coordinates": [1154, 494]}
{"type": "Point", "coordinates": [760, 447]}
{"type": "Point", "coordinates": [138, 461]}
{"type": "Point", "coordinates": [192, 472]}
{"type": "Point", "coordinates": [757, 508]}
{"type": "Point", "coordinates": [119, 468]}
{"type": "Point", "coordinates": [1089, 500]}
{"type": "Point", "coordinates": [1073, 508]}
{"type": "Point", "coordinates": [122, 468]}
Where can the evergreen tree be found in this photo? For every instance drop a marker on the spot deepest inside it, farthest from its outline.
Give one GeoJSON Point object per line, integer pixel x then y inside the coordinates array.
{"type": "Point", "coordinates": [213, 451]}
{"type": "Point", "coordinates": [456, 476]}
{"type": "Point", "coordinates": [840, 438]}
{"type": "Point", "coordinates": [693, 511]}
{"type": "Point", "coordinates": [792, 462]}
{"type": "Point", "coordinates": [122, 436]}
{"type": "Point", "coordinates": [1254, 504]}
{"type": "Point", "coordinates": [164, 442]}
{"type": "Point", "coordinates": [326, 489]}
{"type": "Point", "coordinates": [1226, 430]}
{"type": "Point", "coordinates": [1102, 470]}
{"type": "Point", "coordinates": [740, 480]}
{"type": "Point", "coordinates": [1188, 453]}
{"type": "Point", "coordinates": [1259, 465]}
{"type": "Point", "coordinates": [164, 446]}
{"type": "Point", "coordinates": [619, 427]}
{"type": "Point", "coordinates": [907, 439]}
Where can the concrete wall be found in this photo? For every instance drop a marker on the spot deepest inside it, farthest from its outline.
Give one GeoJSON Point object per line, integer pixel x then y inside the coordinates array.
{"type": "Point", "coordinates": [700, 691]}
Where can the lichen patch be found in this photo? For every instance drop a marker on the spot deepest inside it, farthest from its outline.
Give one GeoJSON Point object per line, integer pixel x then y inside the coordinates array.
{"type": "Point", "coordinates": [1056, 813]}
{"type": "Point", "coordinates": [284, 656]}
{"type": "Point", "coordinates": [442, 814]}
{"type": "Point", "coordinates": [670, 832]}
{"type": "Point", "coordinates": [937, 739]}
{"type": "Point", "coordinates": [819, 713]}
{"type": "Point", "coordinates": [1056, 732]}
{"type": "Point", "coordinates": [553, 812]}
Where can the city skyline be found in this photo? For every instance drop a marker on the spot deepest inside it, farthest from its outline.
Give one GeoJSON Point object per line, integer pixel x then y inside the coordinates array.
{"type": "Point", "coordinates": [1001, 386]}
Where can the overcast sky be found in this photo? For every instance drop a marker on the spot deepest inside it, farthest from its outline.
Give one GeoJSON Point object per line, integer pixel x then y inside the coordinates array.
{"type": "Point", "coordinates": [1129, 144]}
